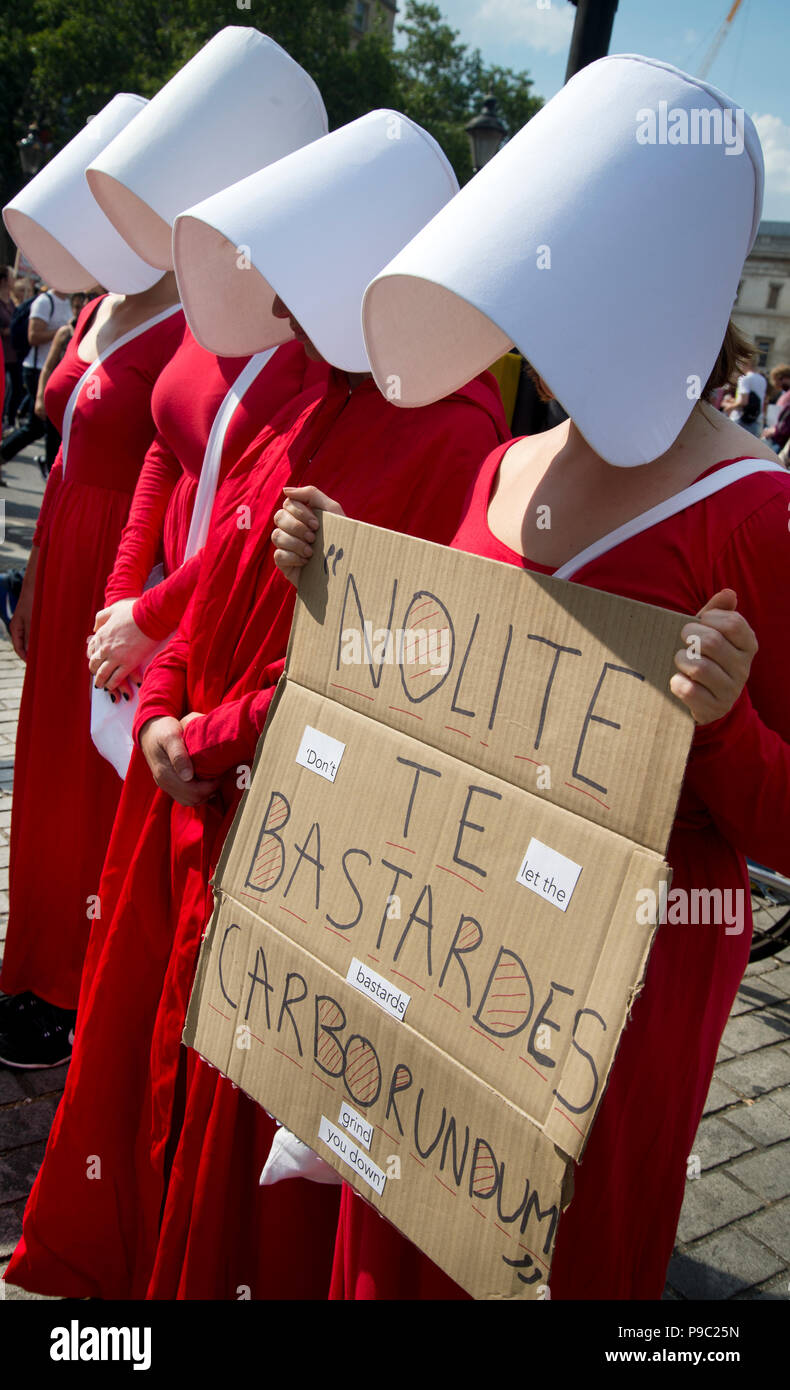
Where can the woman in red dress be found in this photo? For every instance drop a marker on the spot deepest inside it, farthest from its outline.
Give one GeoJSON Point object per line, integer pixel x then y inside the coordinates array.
{"type": "Point", "coordinates": [56, 856]}
{"type": "Point", "coordinates": [182, 1145]}
{"type": "Point", "coordinates": [190, 131]}
{"type": "Point", "coordinates": [691, 530]}
{"type": "Point", "coordinates": [134, 619]}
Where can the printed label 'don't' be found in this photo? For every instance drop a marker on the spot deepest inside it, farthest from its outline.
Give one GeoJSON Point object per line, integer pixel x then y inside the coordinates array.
{"type": "Point", "coordinates": [320, 753]}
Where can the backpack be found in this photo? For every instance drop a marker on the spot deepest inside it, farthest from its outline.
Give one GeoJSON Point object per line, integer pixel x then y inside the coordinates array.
{"type": "Point", "coordinates": [751, 411]}
{"type": "Point", "coordinates": [19, 322]}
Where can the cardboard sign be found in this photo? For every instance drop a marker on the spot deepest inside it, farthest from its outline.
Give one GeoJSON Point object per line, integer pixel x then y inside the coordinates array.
{"type": "Point", "coordinates": [438, 937]}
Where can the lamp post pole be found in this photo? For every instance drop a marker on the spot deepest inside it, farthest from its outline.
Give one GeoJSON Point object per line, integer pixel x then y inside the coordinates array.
{"type": "Point", "coordinates": [592, 32]}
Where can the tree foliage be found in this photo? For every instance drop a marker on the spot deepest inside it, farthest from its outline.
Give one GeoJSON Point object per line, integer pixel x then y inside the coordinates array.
{"type": "Point", "coordinates": [62, 60]}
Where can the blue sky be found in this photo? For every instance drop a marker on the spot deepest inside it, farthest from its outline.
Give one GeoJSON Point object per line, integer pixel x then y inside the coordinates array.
{"type": "Point", "coordinates": [753, 66]}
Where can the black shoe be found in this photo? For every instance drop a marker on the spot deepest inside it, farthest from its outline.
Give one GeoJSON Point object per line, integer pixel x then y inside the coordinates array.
{"type": "Point", "coordinates": [9, 1003]}
{"type": "Point", "coordinates": [34, 1034]}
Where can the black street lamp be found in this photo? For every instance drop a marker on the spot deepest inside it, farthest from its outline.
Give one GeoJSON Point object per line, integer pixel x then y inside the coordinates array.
{"type": "Point", "coordinates": [486, 133]}
{"type": "Point", "coordinates": [35, 148]}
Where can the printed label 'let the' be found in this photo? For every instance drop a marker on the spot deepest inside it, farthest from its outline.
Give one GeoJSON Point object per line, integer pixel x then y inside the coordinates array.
{"type": "Point", "coordinates": [549, 874]}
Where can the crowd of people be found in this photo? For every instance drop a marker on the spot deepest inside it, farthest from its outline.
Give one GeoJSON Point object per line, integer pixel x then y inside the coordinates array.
{"type": "Point", "coordinates": [36, 323]}
{"type": "Point", "coordinates": [760, 405]}
{"type": "Point", "coordinates": [262, 295]}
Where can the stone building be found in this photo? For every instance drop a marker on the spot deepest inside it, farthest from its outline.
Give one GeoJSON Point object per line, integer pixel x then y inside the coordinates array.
{"type": "Point", "coordinates": [762, 305]}
{"type": "Point", "coordinates": [366, 14]}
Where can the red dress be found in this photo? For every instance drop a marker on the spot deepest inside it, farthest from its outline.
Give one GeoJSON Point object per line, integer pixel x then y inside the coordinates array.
{"type": "Point", "coordinates": [170, 1129]}
{"type": "Point", "coordinates": [65, 793]}
{"type": "Point", "coordinates": [616, 1237]}
{"type": "Point", "coordinates": [185, 401]}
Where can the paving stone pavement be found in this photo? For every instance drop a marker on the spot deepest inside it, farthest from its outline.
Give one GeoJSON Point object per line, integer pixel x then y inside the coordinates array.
{"type": "Point", "coordinates": [734, 1236]}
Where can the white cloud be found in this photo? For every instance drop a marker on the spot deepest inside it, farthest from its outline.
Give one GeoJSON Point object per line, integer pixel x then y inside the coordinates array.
{"type": "Point", "coordinates": [526, 21]}
{"type": "Point", "coordinates": [775, 139]}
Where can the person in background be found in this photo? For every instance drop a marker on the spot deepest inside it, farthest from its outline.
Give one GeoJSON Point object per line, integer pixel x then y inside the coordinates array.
{"type": "Point", "coordinates": [778, 432]}
{"type": "Point", "coordinates": [57, 349]}
{"type": "Point", "coordinates": [747, 405]}
{"type": "Point", "coordinates": [13, 367]}
{"type": "Point", "coordinates": [49, 311]}
{"type": "Point", "coordinates": [24, 287]}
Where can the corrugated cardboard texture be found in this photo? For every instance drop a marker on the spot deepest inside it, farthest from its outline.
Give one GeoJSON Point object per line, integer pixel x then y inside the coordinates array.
{"type": "Point", "coordinates": [472, 857]}
{"type": "Point", "coordinates": [472, 1177]}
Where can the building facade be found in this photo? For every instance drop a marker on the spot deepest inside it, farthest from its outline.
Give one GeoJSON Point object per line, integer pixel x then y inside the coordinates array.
{"type": "Point", "coordinates": [366, 14]}
{"type": "Point", "coordinates": [762, 305]}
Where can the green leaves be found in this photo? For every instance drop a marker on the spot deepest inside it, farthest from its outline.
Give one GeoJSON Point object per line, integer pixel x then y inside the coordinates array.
{"type": "Point", "coordinates": [62, 60]}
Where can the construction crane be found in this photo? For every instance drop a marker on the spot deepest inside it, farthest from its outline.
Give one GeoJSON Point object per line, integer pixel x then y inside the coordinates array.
{"type": "Point", "coordinates": [713, 51]}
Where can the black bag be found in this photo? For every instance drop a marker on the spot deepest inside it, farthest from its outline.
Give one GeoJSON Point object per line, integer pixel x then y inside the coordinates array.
{"type": "Point", "coordinates": [10, 589]}
{"type": "Point", "coordinates": [751, 411]}
{"type": "Point", "coordinates": [19, 322]}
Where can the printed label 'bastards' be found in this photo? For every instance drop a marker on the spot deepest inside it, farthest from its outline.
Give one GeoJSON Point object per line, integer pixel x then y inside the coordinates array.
{"type": "Point", "coordinates": [392, 1000]}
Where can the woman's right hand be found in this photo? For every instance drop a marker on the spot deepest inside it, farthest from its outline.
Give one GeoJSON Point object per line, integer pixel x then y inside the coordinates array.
{"type": "Point", "coordinates": [20, 624]}
{"type": "Point", "coordinates": [295, 526]}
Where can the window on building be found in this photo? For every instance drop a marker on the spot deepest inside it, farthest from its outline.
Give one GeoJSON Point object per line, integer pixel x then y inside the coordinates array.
{"type": "Point", "coordinates": [774, 291]}
{"type": "Point", "coordinates": [763, 346]}
{"type": "Point", "coordinates": [361, 12]}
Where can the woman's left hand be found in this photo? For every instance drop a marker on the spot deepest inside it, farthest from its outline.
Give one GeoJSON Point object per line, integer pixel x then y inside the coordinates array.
{"type": "Point", "coordinates": [713, 667]}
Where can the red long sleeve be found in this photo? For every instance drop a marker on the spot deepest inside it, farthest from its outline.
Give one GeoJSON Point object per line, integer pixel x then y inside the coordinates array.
{"type": "Point", "coordinates": [163, 691]}
{"type": "Point", "coordinates": [741, 770]}
{"type": "Point", "coordinates": [227, 737]}
{"type": "Point", "coordinates": [50, 493]}
{"type": "Point", "coordinates": [141, 543]}
{"type": "Point", "coordinates": [160, 609]}
{"type": "Point", "coordinates": [740, 765]}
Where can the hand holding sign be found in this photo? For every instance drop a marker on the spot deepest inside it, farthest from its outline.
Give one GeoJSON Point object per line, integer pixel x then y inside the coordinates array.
{"type": "Point", "coordinates": [295, 526]}
{"type": "Point", "coordinates": [714, 665]}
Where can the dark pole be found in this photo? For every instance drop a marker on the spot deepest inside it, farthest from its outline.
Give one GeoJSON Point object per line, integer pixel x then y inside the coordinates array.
{"type": "Point", "coordinates": [591, 33]}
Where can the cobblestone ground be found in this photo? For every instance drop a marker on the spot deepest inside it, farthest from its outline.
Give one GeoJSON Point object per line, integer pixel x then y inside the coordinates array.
{"type": "Point", "coordinates": [734, 1234]}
